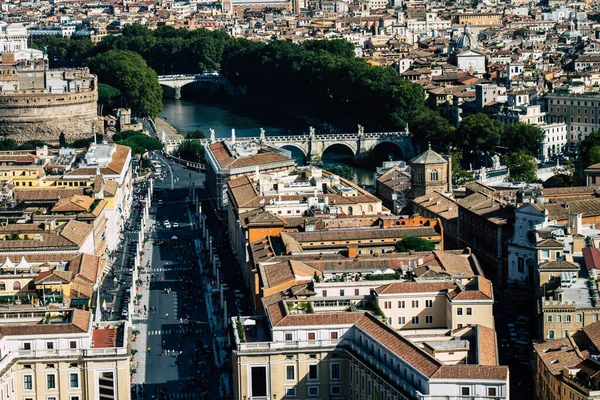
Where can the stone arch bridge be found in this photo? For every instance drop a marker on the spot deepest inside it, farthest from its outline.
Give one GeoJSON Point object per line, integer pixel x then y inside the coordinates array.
{"type": "Point", "coordinates": [176, 82]}
{"type": "Point", "coordinates": [314, 145]}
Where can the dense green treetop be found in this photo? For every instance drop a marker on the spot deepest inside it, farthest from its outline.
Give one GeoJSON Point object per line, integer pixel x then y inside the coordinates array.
{"type": "Point", "coordinates": [138, 141]}
{"type": "Point", "coordinates": [522, 167]}
{"type": "Point", "coordinates": [523, 137]}
{"type": "Point", "coordinates": [414, 243]}
{"type": "Point", "coordinates": [429, 126]}
{"type": "Point", "coordinates": [190, 150]}
{"type": "Point", "coordinates": [64, 52]}
{"type": "Point", "coordinates": [128, 72]}
{"type": "Point", "coordinates": [478, 131]}
{"type": "Point", "coordinates": [590, 150]}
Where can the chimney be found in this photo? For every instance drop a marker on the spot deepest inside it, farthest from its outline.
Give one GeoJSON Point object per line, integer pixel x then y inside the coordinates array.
{"type": "Point", "coordinates": [233, 136]}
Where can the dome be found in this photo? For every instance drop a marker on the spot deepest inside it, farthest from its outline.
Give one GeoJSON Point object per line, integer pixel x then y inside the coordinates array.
{"type": "Point", "coordinates": [466, 39]}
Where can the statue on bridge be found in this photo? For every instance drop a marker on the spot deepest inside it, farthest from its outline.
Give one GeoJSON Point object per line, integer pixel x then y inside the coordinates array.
{"type": "Point", "coordinates": [361, 130]}
{"type": "Point", "coordinates": [406, 131]}
{"type": "Point", "coordinates": [495, 162]}
{"type": "Point", "coordinates": [311, 131]}
{"type": "Point", "coordinates": [262, 135]}
{"type": "Point", "coordinates": [212, 135]}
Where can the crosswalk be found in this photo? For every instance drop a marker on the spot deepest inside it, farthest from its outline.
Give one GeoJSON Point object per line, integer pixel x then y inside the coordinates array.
{"type": "Point", "coordinates": [166, 332]}
{"type": "Point", "coordinates": [185, 396]}
{"type": "Point", "coordinates": [167, 269]}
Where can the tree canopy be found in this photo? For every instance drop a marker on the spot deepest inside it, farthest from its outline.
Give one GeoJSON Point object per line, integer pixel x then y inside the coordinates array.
{"type": "Point", "coordinates": [429, 126]}
{"type": "Point", "coordinates": [344, 171]}
{"type": "Point", "coordinates": [524, 137]}
{"type": "Point", "coordinates": [415, 244]}
{"type": "Point", "coordinates": [190, 150]}
{"type": "Point", "coordinates": [522, 166]}
{"type": "Point", "coordinates": [138, 141]}
{"type": "Point", "coordinates": [590, 150]}
{"type": "Point", "coordinates": [64, 52]}
{"type": "Point", "coordinates": [479, 132]}
{"type": "Point", "coordinates": [128, 72]}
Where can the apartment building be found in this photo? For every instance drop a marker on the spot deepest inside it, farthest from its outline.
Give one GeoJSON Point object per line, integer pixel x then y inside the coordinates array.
{"type": "Point", "coordinates": [568, 368]}
{"type": "Point", "coordinates": [231, 159]}
{"type": "Point", "coordinates": [449, 304]}
{"type": "Point", "coordinates": [354, 355]}
{"type": "Point", "coordinates": [56, 354]}
{"type": "Point", "coordinates": [580, 112]}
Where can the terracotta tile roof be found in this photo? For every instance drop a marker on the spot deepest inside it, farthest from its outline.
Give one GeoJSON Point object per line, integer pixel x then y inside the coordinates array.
{"type": "Point", "coordinates": [557, 354]}
{"type": "Point", "coordinates": [110, 188]}
{"type": "Point", "coordinates": [346, 318]}
{"type": "Point", "coordinates": [79, 324]}
{"type": "Point", "coordinates": [415, 287]}
{"type": "Point", "coordinates": [76, 232]}
{"type": "Point", "coordinates": [277, 274]}
{"type": "Point", "coordinates": [276, 312]}
{"type": "Point", "coordinates": [483, 291]}
{"type": "Point", "coordinates": [362, 234]}
{"type": "Point", "coordinates": [487, 350]}
{"type": "Point", "coordinates": [591, 256]}
{"type": "Point", "coordinates": [47, 194]}
{"type": "Point", "coordinates": [76, 203]}
{"type": "Point", "coordinates": [592, 332]}
{"type": "Point", "coordinates": [560, 212]}
{"type": "Point", "coordinates": [438, 204]}
{"type": "Point", "coordinates": [574, 190]}
{"type": "Point", "coordinates": [475, 372]}
{"type": "Point", "coordinates": [550, 243]}
{"type": "Point", "coordinates": [397, 344]}
{"type": "Point", "coordinates": [85, 266]}
{"type": "Point", "coordinates": [488, 207]}
{"type": "Point", "coordinates": [559, 265]}
{"type": "Point", "coordinates": [228, 160]}
{"type": "Point", "coordinates": [454, 264]}
{"type": "Point", "coordinates": [40, 257]}
{"type": "Point", "coordinates": [104, 338]}
{"type": "Point", "coordinates": [114, 167]}
{"type": "Point", "coordinates": [53, 276]}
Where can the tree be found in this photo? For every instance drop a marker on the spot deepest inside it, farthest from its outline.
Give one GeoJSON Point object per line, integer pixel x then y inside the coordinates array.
{"type": "Point", "coordinates": [590, 150]}
{"type": "Point", "coordinates": [430, 127]}
{"type": "Point", "coordinates": [415, 244]}
{"type": "Point", "coordinates": [524, 137]}
{"type": "Point", "coordinates": [479, 132]}
{"type": "Point", "coordinates": [108, 96]}
{"type": "Point", "coordinates": [33, 144]}
{"type": "Point", "coordinates": [8, 144]}
{"type": "Point", "coordinates": [523, 167]}
{"type": "Point", "coordinates": [336, 47]}
{"type": "Point", "coordinates": [191, 150]}
{"type": "Point", "coordinates": [64, 52]}
{"type": "Point", "coordinates": [128, 72]}
{"type": "Point", "coordinates": [137, 141]}
{"type": "Point", "coordinates": [565, 177]}
{"type": "Point", "coordinates": [343, 171]}
{"type": "Point", "coordinates": [195, 134]}
{"type": "Point", "coordinates": [62, 140]}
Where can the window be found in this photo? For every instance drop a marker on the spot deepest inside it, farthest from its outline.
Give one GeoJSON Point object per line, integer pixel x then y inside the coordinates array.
{"type": "Point", "coordinates": [51, 398]}
{"type": "Point", "coordinates": [73, 344]}
{"type": "Point", "coordinates": [49, 345]}
{"type": "Point", "coordinates": [16, 285]}
{"type": "Point", "coordinates": [356, 292]}
{"type": "Point", "coordinates": [387, 305]}
{"type": "Point", "coordinates": [429, 319]}
{"type": "Point", "coordinates": [336, 390]}
{"type": "Point", "coordinates": [74, 381]}
{"type": "Point", "coordinates": [313, 390]}
{"type": "Point", "coordinates": [290, 391]}
{"type": "Point", "coordinates": [521, 264]}
{"type": "Point", "coordinates": [313, 372]}
{"type": "Point", "coordinates": [568, 318]}
{"type": "Point", "coordinates": [559, 318]}
{"type": "Point", "coordinates": [288, 336]}
{"type": "Point", "coordinates": [415, 304]}
{"type": "Point", "coordinates": [27, 346]}
{"type": "Point", "coordinates": [492, 392]}
{"type": "Point", "coordinates": [401, 320]}
{"type": "Point", "coordinates": [258, 381]}
{"type": "Point", "coordinates": [311, 336]}
{"type": "Point", "coordinates": [549, 318]}
{"type": "Point", "coordinates": [333, 335]}
{"type": "Point", "coordinates": [28, 382]}
{"type": "Point", "coordinates": [342, 293]}
{"type": "Point", "coordinates": [290, 373]}
{"type": "Point", "coordinates": [459, 311]}
{"type": "Point", "coordinates": [428, 303]}
{"type": "Point", "coordinates": [415, 320]}
{"type": "Point", "coordinates": [2, 286]}
{"type": "Point", "coordinates": [577, 317]}
{"type": "Point", "coordinates": [595, 317]}
{"type": "Point", "coordinates": [50, 381]}
{"type": "Point", "coordinates": [402, 304]}
{"type": "Point", "coordinates": [550, 334]}
{"type": "Point", "coordinates": [336, 372]}
{"type": "Point", "coordinates": [434, 175]}
{"type": "Point", "coordinates": [324, 293]}
{"type": "Point", "coordinates": [465, 391]}
{"type": "Point", "coordinates": [469, 311]}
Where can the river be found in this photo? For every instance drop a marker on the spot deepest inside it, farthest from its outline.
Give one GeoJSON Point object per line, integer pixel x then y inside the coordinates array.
{"type": "Point", "coordinates": [187, 115]}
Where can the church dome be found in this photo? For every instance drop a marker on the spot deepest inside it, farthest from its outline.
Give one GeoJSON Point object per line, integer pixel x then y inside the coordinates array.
{"type": "Point", "coordinates": [466, 39]}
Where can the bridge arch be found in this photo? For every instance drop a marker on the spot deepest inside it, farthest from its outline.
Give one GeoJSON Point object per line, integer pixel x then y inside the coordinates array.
{"type": "Point", "coordinates": [327, 146]}
{"type": "Point", "coordinates": [294, 146]}
{"type": "Point", "coordinates": [383, 149]}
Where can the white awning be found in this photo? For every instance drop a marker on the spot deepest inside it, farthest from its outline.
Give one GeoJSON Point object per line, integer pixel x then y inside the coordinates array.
{"type": "Point", "coordinates": [249, 322]}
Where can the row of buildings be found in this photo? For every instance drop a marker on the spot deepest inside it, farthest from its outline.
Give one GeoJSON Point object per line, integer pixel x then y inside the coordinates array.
{"type": "Point", "coordinates": [63, 212]}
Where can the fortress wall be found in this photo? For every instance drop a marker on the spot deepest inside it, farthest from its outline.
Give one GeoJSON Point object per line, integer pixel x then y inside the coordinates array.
{"type": "Point", "coordinates": [43, 116]}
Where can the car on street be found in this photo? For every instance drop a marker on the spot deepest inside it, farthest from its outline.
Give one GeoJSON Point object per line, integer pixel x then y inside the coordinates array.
{"type": "Point", "coordinates": [175, 225]}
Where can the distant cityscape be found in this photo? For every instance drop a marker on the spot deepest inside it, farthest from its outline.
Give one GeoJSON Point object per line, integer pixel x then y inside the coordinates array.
{"type": "Point", "coordinates": [139, 261]}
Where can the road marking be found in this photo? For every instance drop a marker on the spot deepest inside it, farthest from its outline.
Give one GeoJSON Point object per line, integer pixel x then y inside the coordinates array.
{"type": "Point", "coordinates": [166, 332]}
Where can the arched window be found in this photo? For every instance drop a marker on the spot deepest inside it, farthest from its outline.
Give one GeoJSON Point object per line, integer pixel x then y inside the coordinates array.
{"type": "Point", "coordinates": [16, 285]}
{"type": "Point", "coordinates": [349, 210]}
{"type": "Point", "coordinates": [2, 286]}
{"type": "Point", "coordinates": [434, 175]}
{"type": "Point", "coordinates": [370, 208]}
{"type": "Point", "coordinates": [550, 334]}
